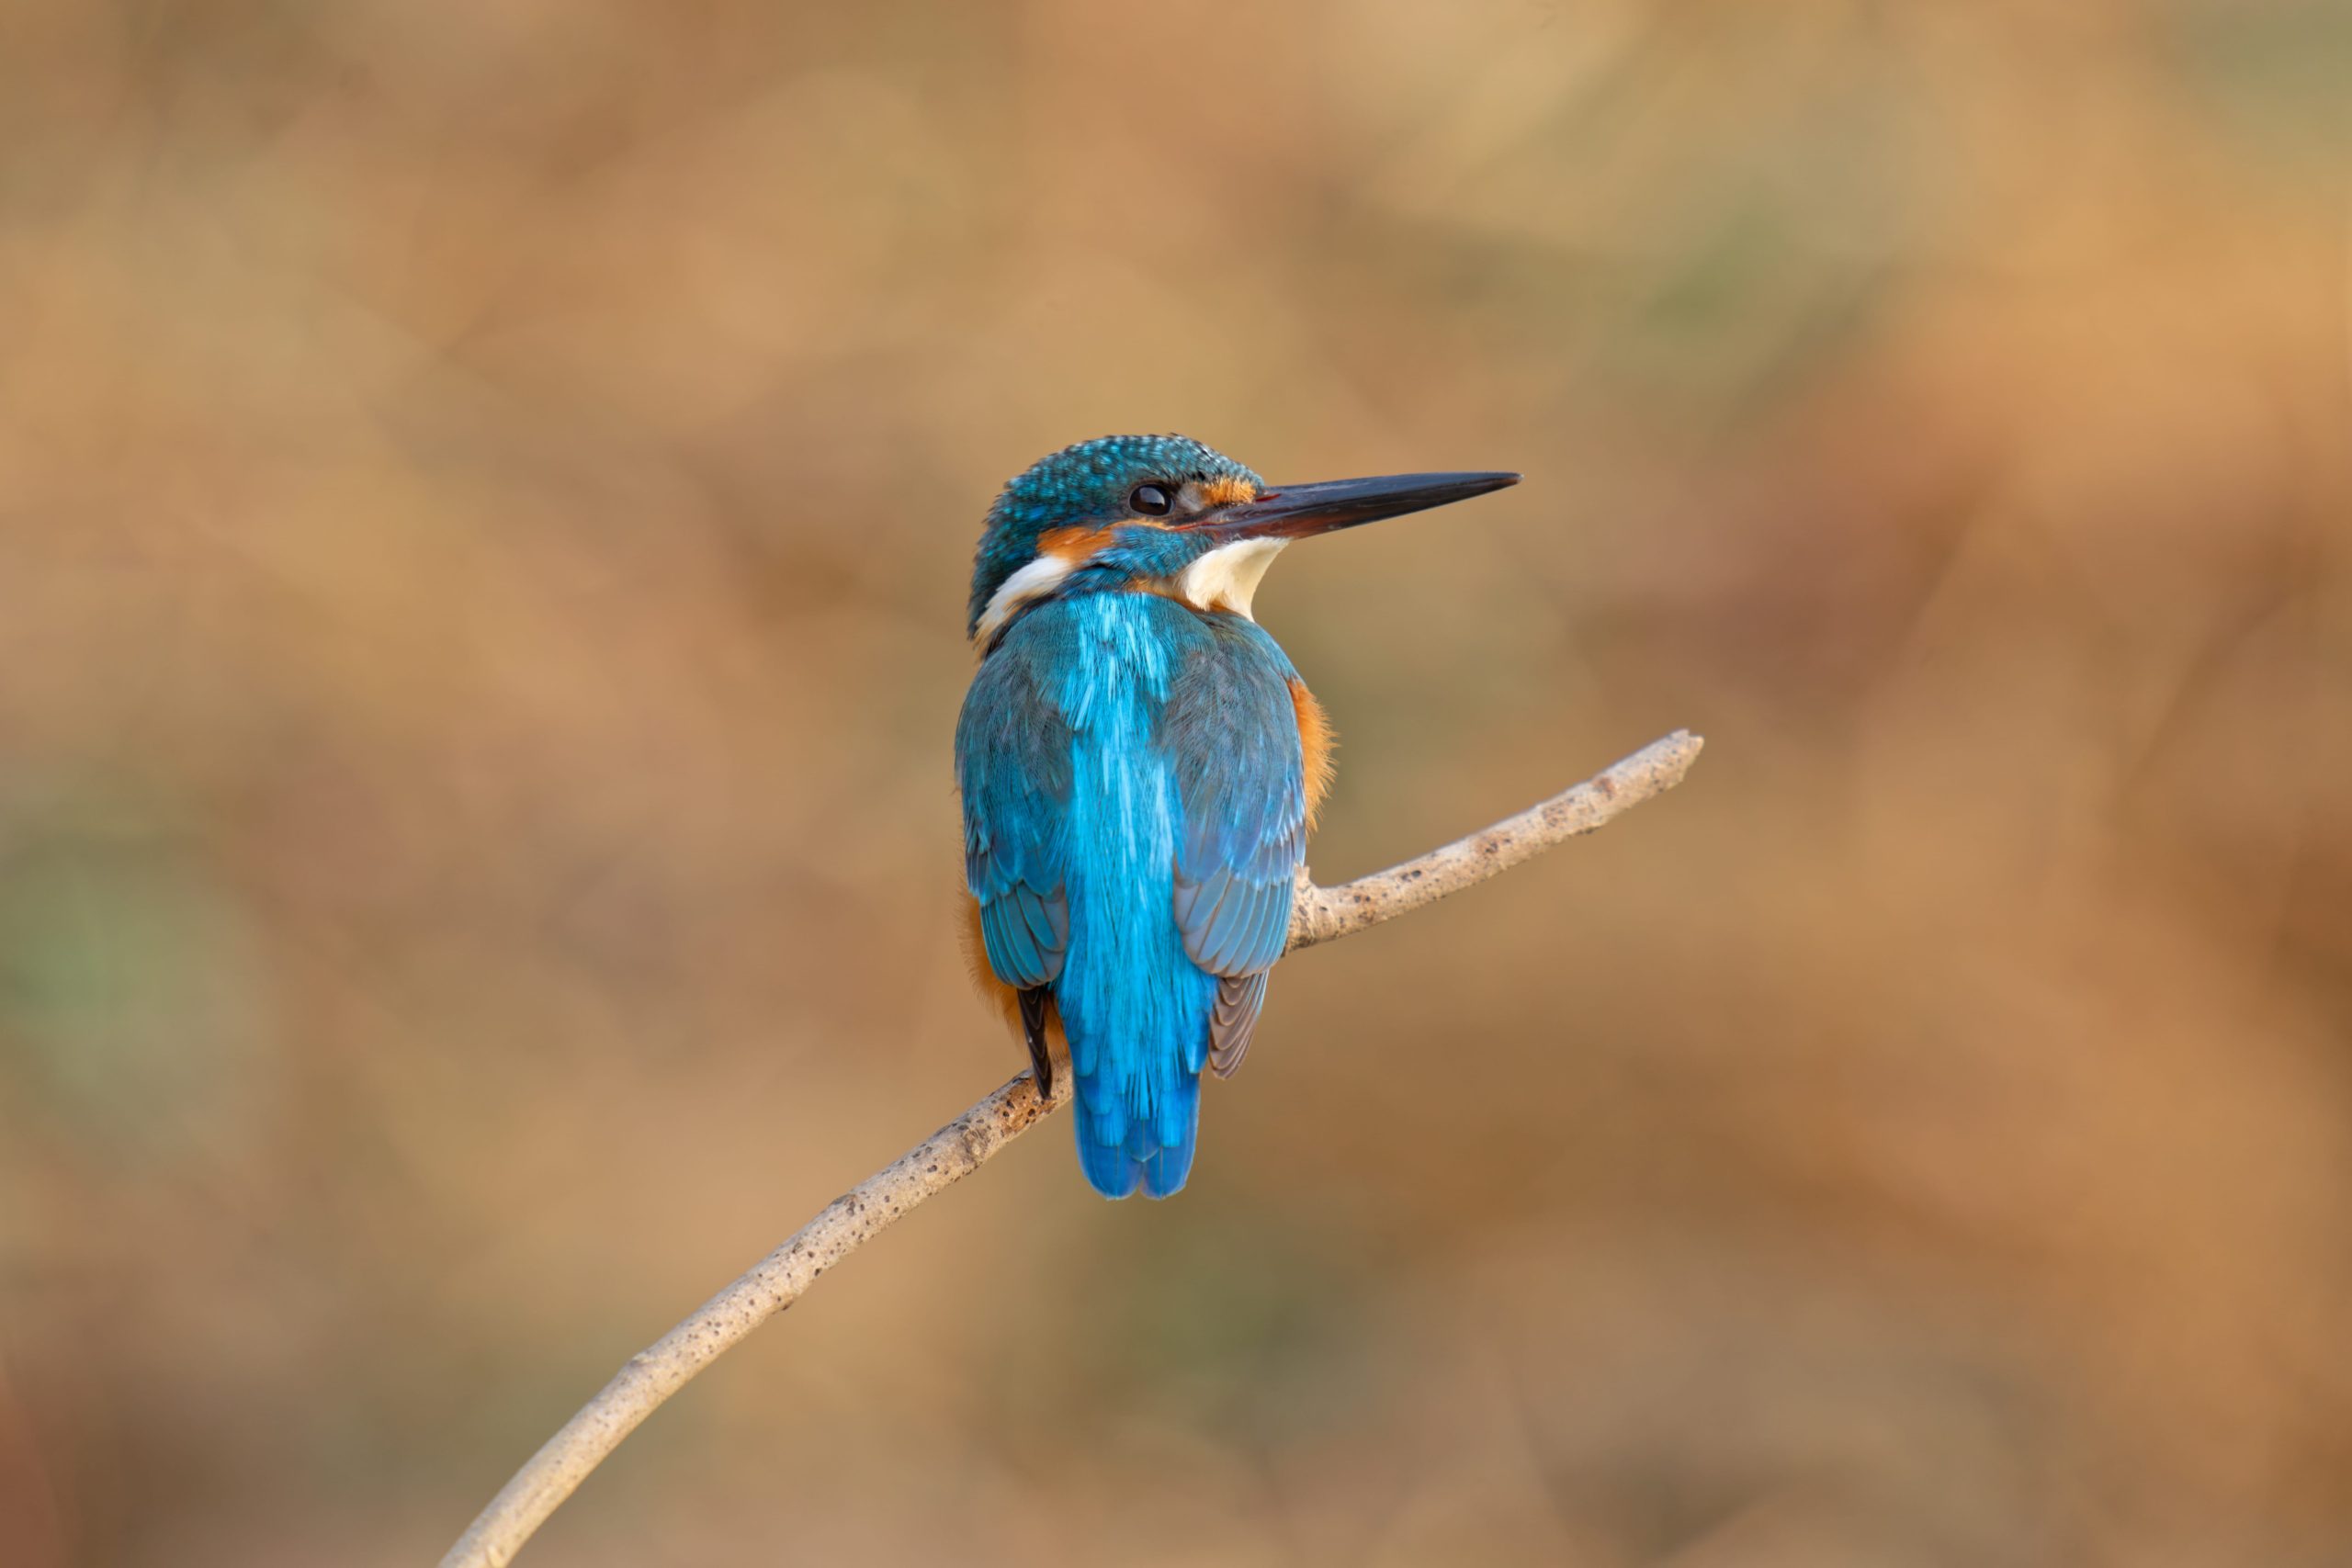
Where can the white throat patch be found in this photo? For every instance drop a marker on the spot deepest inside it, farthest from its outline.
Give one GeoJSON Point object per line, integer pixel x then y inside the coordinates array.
{"type": "Point", "coordinates": [1227, 576]}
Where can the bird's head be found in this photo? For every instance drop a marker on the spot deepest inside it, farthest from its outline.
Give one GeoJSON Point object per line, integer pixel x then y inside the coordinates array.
{"type": "Point", "coordinates": [1165, 514]}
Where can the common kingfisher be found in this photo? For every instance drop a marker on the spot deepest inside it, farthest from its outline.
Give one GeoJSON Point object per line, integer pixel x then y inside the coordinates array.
{"type": "Point", "coordinates": [1140, 766]}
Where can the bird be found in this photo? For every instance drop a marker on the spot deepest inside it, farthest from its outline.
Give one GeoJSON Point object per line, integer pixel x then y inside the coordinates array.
{"type": "Point", "coordinates": [1139, 765]}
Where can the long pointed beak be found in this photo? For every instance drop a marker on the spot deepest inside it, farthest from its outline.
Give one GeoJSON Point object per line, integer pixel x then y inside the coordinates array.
{"type": "Point", "coordinates": [1295, 511]}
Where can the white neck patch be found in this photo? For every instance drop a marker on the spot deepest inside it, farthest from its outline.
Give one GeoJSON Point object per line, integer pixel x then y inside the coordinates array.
{"type": "Point", "coordinates": [1227, 576]}
{"type": "Point", "coordinates": [1039, 578]}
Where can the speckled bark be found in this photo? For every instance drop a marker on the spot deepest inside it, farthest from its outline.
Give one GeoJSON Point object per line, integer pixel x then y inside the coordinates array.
{"type": "Point", "coordinates": [1320, 914]}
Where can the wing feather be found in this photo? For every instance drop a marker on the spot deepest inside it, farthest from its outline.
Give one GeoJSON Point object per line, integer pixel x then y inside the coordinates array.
{"type": "Point", "coordinates": [1231, 730]}
{"type": "Point", "coordinates": [1235, 1020]}
{"type": "Point", "coordinates": [1012, 768]}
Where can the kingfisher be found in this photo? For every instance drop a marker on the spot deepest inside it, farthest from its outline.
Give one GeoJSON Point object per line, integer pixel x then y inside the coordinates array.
{"type": "Point", "coordinates": [1139, 765]}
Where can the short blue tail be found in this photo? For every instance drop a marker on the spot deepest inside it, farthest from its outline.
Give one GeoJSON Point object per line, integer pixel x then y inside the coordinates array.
{"type": "Point", "coordinates": [1134, 1004]}
{"type": "Point", "coordinates": [1137, 1013]}
{"type": "Point", "coordinates": [1154, 1153]}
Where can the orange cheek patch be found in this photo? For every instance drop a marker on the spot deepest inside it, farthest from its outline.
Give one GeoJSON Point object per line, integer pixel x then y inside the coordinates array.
{"type": "Point", "coordinates": [1228, 490]}
{"type": "Point", "coordinates": [1315, 743]}
{"type": "Point", "coordinates": [1072, 545]}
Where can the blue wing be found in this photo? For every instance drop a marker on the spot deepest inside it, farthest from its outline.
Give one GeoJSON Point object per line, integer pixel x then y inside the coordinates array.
{"type": "Point", "coordinates": [1230, 731]}
{"type": "Point", "coordinates": [1012, 768]}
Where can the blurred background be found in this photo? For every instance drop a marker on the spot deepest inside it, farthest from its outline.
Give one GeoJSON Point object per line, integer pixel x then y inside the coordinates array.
{"type": "Point", "coordinates": [486, 494]}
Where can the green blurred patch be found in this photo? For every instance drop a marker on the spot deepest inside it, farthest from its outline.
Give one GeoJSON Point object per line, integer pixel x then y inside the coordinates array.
{"type": "Point", "coordinates": [2280, 72]}
{"type": "Point", "coordinates": [1243, 1326]}
{"type": "Point", "coordinates": [1742, 311]}
{"type": "Point", "coordinates": [129, 1009]}
{"type": "Point", "coordinates": [1706, 273]}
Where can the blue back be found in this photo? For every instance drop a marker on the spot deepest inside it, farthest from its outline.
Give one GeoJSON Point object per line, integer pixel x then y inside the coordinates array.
{"type": "Point", "coordinates": [1135, 809]}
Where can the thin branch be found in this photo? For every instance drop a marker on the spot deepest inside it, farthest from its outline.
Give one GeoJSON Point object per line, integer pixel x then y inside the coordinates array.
{"type": "Point", "coordinates": [1320, 914]}
{"type": "Point", "coordinates": [1327, 914]}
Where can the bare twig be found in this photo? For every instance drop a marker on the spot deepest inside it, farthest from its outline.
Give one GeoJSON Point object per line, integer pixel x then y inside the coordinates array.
{"type": "Point", "coordinates": [1320, 914]}
{"type": "Point", "coordinates": [1327, 914]}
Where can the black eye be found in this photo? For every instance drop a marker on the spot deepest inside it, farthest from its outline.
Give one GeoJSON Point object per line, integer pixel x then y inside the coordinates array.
{"type": "Point", "coordinates": [1149, 499]}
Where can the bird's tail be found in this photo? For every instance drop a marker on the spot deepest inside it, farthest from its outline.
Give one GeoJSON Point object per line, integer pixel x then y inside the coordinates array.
{"type": "Point", "coordinates": [1125, 1140]}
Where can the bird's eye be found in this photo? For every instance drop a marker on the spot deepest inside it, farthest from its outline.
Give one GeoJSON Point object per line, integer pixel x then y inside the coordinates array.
{"type": "Point", "coordinates": [1149, 499]}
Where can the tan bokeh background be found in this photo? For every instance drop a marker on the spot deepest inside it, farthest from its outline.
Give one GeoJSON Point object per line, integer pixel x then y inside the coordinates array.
{"type": "Point", "coordinates": [485, 500]}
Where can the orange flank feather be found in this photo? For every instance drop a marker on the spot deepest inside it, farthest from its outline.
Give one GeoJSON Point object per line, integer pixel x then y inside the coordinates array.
{"type": "Point", "coordinates": [1003, 998]}
{"type": "Point", "coordinates": [1315, 741]}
